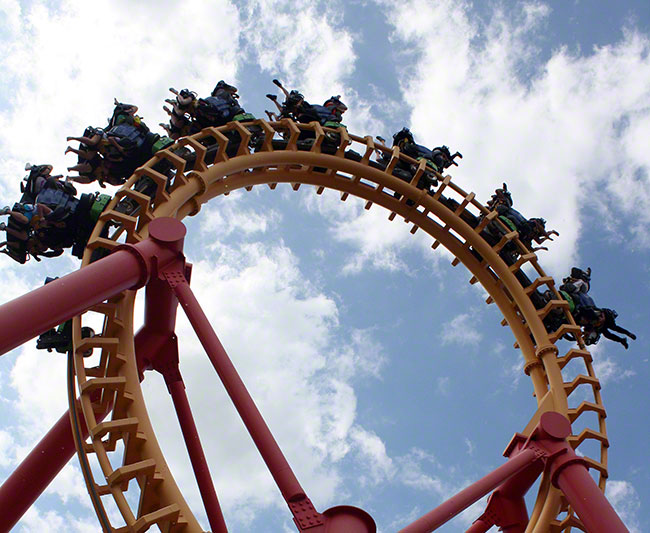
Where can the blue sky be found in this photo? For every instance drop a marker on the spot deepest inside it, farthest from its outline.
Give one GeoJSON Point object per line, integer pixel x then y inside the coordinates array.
{"type": "Point", "coordinates": [386, 379]}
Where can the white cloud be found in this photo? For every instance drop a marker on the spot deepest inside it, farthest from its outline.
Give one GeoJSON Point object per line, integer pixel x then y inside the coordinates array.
{"type": "Point", "coordinates": [412, 472]}
{"type": "Point", "coordinates": [375, 241]}
{"type": "Point", "coordinates": [608, 370]}
{"type": "Point", "coordinates": [6, 448]}
{"type": "Point", "coordinates": [442, 385]}
{"type": "Point", "coordinates": [301, 42]}
{"type": "Point", "coordinates": [228, 218]}
{"type": "Point", "coordinates": [64, 77]}
{"type": "Point", "coordinates": [461, 330]}
{"type": "Point", "coordinates": [36, 521]}
{"type": "Point", "coordinates": [625, 499]}
{"type": "Point", "coordinates": [280, 332]}
{"type": "Point", "coordinates": [470, 447]}
{"type": "Point", "coordinates": [564, 138]}
{"type": "Point", "coordinates": [372, 448]}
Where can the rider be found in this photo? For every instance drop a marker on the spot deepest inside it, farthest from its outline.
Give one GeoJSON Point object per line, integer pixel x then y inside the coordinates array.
{"type": "Point", "coordinates": [607, 321]}
{"type": "Point", "coordinates": [112, 154]}
{"type": "Point", "coordinates": [328, 115]}
{"type": "Point", "coordinates": [533, 229]}
{"type": "Point", "coordinates": [60, 338]}
{"type": "Point", "coordinates": [574, 289]}
{"type": "Point", "coordinates": [220, 107]}
{"type": "Point", "coordinates": [50, 217]}
{"type": "Point", "coordinates": [436, 160]}
{"type": "Point", "coordinates": [336, 108]}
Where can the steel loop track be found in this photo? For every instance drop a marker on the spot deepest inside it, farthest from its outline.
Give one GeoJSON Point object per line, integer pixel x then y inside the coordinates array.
{"type": "Point", "coordinates": [125, 448]}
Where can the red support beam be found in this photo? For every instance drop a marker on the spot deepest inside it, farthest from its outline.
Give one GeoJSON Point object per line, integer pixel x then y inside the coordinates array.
{"type": "Point", "coordinates": [588, 501]}
{"type": "Point", "coordinates": [466, 497]}
{"type": "Point", "coordinates": [156, 348]}
{"type": "Point", "coordinates": [569, 472]}
{"type": "Point", "coordinates": [197, 457]}
{"type": "Point", "coordinates": [339, 519]}
{"type": "Point", "coordinates": [255, 424]}
{"type": "Point", "coordinates": [25, 484]}
{"type": "Point", "coordinates": [506, 507]}
{"type": "Point", "coordinates": [480, 526]}
{"type": "Point", "coordinates": [129, 267]}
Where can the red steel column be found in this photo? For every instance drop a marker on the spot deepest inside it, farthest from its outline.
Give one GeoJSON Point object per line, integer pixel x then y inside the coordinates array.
{"type": "Point", "coordinates": [25, 484]}
{"type": "Point", "coordinates": [588, 501]}
{"type": "Point", "coordinates": [156, 347]}
{"type": "Point", "coordinates": [466, 497]}
{"type": "Point", "coordinates": [197, 457]}
{"type": "Point", "coordinates": [127, 268]}
{"type": "Point", "coordinates": [259, 431]}
{"type": "Point", "coordinates": [570, 474]}
{"type": "Point", "coordinates": [25, 317]}
{"type": "Point", "coordinates": [479, 527]}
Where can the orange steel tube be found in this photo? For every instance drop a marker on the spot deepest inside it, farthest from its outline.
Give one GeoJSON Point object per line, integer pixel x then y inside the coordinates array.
{"type": "Point", "coordinates": [466, 497]}
{"type": "Point", "coordinates": [259, 431]}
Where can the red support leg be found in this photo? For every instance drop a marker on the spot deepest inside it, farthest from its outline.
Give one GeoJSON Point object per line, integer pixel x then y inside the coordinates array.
{"type": "Point", "coordinates": [259, 431]}
{"type": "Point", "coordinates": [340, 519]}
{"type": "Point", "coordinates": [568, 472]}
{"type": "Point", "coordinates": [480, 526]}
{"type": "Point", "coordinates": [506, 507]}
{"type": "Point", "coordinates": [128, 267]}
{"type": "Point", "coordinates": [588, 501]}
{"type": "Point", "coordinates": [166, 362]}
{"type": "Point", "coordinates": [466, 497]}
{"type": "Point", "coordinates": [197, 458]}
{"type": "Point", "coordinates": [25, 484]}
{"type": "Point", "coordinates": [156, 348]}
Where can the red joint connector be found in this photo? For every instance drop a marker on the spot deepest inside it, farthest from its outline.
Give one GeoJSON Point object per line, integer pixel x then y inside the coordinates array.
{"type": "Point", "coordinates": [145, 268]}
{"type": "Point", "coordinates": [562, 461]}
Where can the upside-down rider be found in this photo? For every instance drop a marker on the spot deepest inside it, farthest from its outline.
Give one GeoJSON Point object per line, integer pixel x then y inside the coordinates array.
{"type": "Point", "coordinates": [295, 107]}
{"type": "Point", "coordinates": [436, 160]}
{"type": "Point", "coordinates": [531, 229]}
{"type": "Point", "coordinates": [112, 154]}
{"type": "Point", "coordinates": [607, 321]}
{"type": "Point", "coordinates": [60, 338]}
{"type": "Point", "coordinates": [49, 217]}
{"type": "Point", "coordinates": [595, 321]}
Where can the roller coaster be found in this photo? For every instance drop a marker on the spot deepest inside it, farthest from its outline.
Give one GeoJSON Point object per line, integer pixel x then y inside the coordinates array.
{"type": "Point", "coordinates": [142, 248]}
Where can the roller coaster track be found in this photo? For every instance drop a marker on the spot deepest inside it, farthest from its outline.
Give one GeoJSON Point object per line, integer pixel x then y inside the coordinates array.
{"type": "Point", "coordinates": [126, 448]}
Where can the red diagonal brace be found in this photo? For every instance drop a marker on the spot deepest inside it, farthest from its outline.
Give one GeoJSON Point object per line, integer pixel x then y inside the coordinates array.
{"type": "Point", "coordinates": [506, 507]}
{"type": "Point", "coordinates": [157, 348]}
{"type": "Point", "coordinates": [568, 472]}
{"type": "Point", "coordinates": [25, 484]}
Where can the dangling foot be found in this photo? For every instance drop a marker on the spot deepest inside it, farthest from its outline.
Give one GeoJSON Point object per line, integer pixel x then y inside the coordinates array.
{"type": "Point", "coordinates": [624, 343]}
